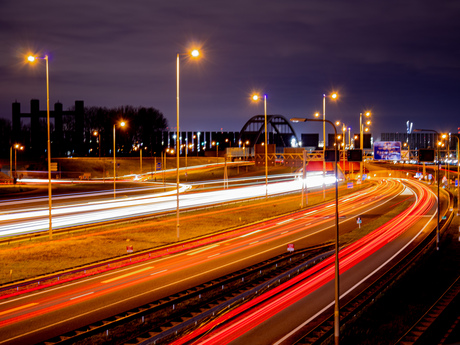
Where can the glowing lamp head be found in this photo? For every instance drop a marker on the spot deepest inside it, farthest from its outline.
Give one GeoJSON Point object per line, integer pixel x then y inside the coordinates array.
{"type": "Point", "coordinates": [31, 58]}
{"type": "Point", "coordinates": [255, 97]}
{"type": "Point", "coordinates": [337, 123]}
{"type": "Point", "coordinates": [334, 96]}
{"type": "Point", "coordinates": [316, 114]}
{"type": "Point", "coordinates": [368, 114]}
{"type": "Point", "coordinates": [195, 53]}
{"type": "Point", "coordinates": [122, 123]}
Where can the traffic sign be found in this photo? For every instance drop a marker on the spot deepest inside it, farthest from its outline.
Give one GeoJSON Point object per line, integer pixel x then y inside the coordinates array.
{"type": "Point", "coordinates": [350, 185]}
{"type": "Point", "coordinates": [53, 166]}
{"type": "Point", "coordinates": [290, 247]}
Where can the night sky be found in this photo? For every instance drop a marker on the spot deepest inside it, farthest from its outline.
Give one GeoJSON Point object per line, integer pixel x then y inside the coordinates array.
{"type": "Point", "coordinates": [399, 59]}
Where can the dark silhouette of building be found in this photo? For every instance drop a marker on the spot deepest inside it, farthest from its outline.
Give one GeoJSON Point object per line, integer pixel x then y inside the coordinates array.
{"type": "Point", "coordinates": [36, 138]}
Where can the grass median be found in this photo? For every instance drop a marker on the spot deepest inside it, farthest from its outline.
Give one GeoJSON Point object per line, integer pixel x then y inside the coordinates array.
{"type": "Point", "coordinates": [36, 257]}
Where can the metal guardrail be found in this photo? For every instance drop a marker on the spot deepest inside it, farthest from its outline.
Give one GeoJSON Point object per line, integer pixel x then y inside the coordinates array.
{"type": "Point", "coordinates": [324, 330]}
{"type": "Point", "coordinates": [161, 321]}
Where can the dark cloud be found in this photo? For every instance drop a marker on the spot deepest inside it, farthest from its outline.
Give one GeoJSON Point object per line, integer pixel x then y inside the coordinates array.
{"type": "Point", "coordinates": [398, 58]}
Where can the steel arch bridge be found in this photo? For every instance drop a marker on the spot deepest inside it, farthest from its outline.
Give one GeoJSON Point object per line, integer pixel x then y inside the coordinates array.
{"type": "Point", "coordinates": [279, 130]}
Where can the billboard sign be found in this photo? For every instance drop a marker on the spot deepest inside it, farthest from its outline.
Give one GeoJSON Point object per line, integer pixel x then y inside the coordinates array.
{"type": "Point", "coordinates": [387, 150]}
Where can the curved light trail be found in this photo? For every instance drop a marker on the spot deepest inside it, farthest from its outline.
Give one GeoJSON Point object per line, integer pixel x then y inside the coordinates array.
{"type": "Point", "coordinates": [71, 304]}
{"type": "Point", "coordinates": [36, 219]}
{"type": "Point", "coordinates": [244, 318]}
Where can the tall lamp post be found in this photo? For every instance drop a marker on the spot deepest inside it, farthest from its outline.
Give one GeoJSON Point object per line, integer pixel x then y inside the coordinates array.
{"type": "Point", "coordinates": [16, 148]}
{"type": "Point", "coordinates": [437, 177]}
{"type": "Point", "coordinates": [336, 285]}
{"type": "Point", "coordinates": [255, 98]}
{"type": "Point", "coordinates": [48, 149]}
{"type": "Point", "coordinates": [333, 96]}
{"type": "Point", "coordinates": [97, 134]}
{"type": "Point", "coordinates": [122, 124]}
{"type": "Point", "coordinates": [194, 53]}
{"type": "Point", "coordinates": [361, 141]}
{"type": "Point", "coordinates": [458, 173]}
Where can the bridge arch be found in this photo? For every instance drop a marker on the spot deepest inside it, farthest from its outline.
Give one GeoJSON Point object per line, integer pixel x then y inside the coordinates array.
{"type": "Point", "coordinates": [279, 130]}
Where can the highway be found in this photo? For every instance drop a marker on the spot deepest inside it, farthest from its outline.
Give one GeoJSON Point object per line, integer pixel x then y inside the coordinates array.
{"type": "Point", "coordinates": [278, 317]}
{"type": "Point", "coordinates": [29, 216]}
{"type": "Point", "coordinates": [40, 315]}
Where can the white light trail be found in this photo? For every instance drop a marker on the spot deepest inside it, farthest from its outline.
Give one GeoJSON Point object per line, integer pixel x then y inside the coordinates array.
{"type": "Point", "coordinates": [36, 219]}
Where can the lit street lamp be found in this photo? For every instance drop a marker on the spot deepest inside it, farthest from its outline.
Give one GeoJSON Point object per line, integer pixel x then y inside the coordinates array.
{"type": "Point", "coordinates": [458, 173]}
{"type": "Point", "coordinates": [255, 98]}
{"type": "Point", "coordinates": [333, 96]}
{"type": "Point", "coordinates": [336, 285]}
{"type": "Point", "coordinates": [122, 124]}
{"type": "Point", "coordinates": [48, 149]}
{"type": "Point", "coordinates": [16, 148]}
{"type": "Point", "coordinates": [194, 53]}
{"type": "Point", "coordinates": [216, 144]}
{"type": "Point", "coordinates": [98, 135]}
{"type": "Point", "coordinates": [361, 142]}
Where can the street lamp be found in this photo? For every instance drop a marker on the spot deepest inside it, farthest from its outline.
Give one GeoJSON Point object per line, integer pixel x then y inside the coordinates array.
{"type": "Point", "coordinates": [361, 142]}
{"type": "Point", "coordinates": [16, 148]}
{"type": "Point", "coordinates": [98, 135]}
{"type": "Point", "coordinates": [333, 96]}
{"type": "Point", "coordinates": [458, 173]}
{"type": "Point", "coordinates": [437, 177]}
{"type": "Point", "coordinates": [255, 98]}
{"type": "Point", "coordinates": [122, 124]}
{"type": "Point", "coordinates": [48, 149]}
{"type": "Point", "coordinates": [194, 53]}
{"type": "Point", "coordinates": [336, 285]}
{"type": "Point", "coordinates": [216, 144]}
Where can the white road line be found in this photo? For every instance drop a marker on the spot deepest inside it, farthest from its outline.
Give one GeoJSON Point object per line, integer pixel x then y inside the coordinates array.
{"type": "Point", "coordinates": [158, 272]}
{"type": "Point", "coordinates": [203, 249]}
{"type": "Point", "coordinates": [86, 294]}
{"type": "Point", "coordinates": [249, 234]}
{"type": "Point", "coordinates": [284, 221]}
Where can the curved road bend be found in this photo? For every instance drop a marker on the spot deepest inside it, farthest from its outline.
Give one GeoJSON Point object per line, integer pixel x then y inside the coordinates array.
{"type": "Point", "coordinates": [38, 316]}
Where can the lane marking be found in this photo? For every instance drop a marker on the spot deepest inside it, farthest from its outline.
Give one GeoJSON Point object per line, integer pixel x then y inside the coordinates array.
{"type": "Point", "coordinates": [86, 294]}
{"type": "Point", "coordinates": [284, 232]}
{"type": "Point", "coordinates": [213, 255]}
{"type": "Point", "coordinates": [254, 242]}
{"type": "Point", "coordinates": [284, 221]}
{"type": "Point", "coordinates": [132, 297]}
{"type": "Point", "coordinates": [126, 275]}
{"type": "Point", "coordinates": [158, 272]}
{"type": "Point", "coordinates": [251, 233]}
{"type": "Point", "coordinates": [204, 249]}
{"type": "Point", "coordinates": [17, 308]}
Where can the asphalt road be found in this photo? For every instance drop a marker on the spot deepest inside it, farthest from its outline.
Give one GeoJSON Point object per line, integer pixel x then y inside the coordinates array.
{"type": "Point", "coordinates": [280, 320]}
{"type": "Point", "coordinates": [37, 316]}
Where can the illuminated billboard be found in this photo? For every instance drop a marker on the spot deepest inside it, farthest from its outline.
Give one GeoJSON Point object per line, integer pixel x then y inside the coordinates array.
{"type": "Point", "coordinates": [387, 150]}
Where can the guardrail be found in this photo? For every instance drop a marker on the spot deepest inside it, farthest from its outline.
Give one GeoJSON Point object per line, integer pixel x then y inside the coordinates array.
{"type": "Point", "coordinates": [160, 318]}
{"type": "Point", "coordinates": [324, 329]}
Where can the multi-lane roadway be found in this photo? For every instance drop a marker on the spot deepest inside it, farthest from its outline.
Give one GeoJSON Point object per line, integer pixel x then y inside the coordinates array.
{"type": "Point", "coordinates": [40, 315]}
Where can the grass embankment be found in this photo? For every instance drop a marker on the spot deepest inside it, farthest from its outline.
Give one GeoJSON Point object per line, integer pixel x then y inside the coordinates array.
{"type": "Point", "coordinates": [35, 257]}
